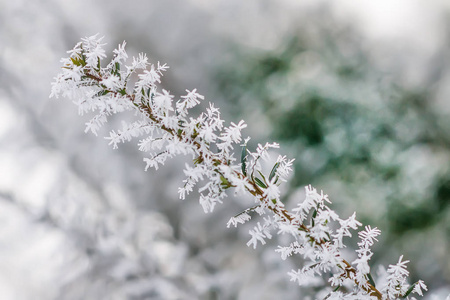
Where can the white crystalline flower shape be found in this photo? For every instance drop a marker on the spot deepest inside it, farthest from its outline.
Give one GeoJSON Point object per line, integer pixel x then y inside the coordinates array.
{"type": "Point", "coordinates": [166, 127]}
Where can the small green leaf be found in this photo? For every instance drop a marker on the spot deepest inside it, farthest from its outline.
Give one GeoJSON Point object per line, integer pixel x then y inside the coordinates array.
{"type": "Point", "coordinates": [260, 183]}
{"type": "Point", "coordinates": [409, 291]}
{"type": "Point", "coordinates": [264, 178]}
{"type": "Point", "coordinates": [102, 93]}
{"type": "Point", "coordinates": [244, 160]}
{"type": "Point", "coordinates": [274, 171]}
{"type": "Point", "coordinates": [78, 61]}
{"type": "Point", "coordinates": [116, 70]}
{"type": "Point", "coordinates": [314, 215]}
{"type": "Point", "coordinates": [199, 160]}
{"type": "Point", "coordinates": [302, 229]}
{"type": "Point", "coordinates": [371, 281]}
{"type": "Point", "coordinates": [224, 182]}
{"type": "Point", "coordinates": [195, 134]}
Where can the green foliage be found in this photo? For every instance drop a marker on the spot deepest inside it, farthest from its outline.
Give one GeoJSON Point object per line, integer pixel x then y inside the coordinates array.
{"type": "Point", "coordinates": [344, 126]}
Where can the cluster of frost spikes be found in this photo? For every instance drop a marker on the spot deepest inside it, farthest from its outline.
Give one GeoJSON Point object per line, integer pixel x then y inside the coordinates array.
{"type": "Point", "coordinates": [165, 127]}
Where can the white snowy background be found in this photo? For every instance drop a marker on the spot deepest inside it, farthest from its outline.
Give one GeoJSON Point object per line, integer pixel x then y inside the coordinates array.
{"type": "Point", "coordinates": [79, 220]}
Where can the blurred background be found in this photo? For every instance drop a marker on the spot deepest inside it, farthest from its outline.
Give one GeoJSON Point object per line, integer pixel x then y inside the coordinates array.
{"type": "Point", "coordinates": [357, 91]}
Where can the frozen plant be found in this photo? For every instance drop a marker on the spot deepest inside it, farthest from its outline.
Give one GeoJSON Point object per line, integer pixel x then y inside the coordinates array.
{"type": "Point", "coordinates": [166, 127]}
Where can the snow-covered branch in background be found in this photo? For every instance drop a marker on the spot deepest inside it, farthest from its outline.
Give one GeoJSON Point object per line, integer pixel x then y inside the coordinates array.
{"type": "Point", "coordinates": [166, 128]}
